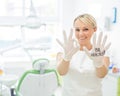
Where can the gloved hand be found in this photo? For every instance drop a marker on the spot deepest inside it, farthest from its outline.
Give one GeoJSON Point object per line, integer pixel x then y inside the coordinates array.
{"type": "Point", "coordinates": [68, 46]}
{"type": "Point", "coordinates": [98, 50]}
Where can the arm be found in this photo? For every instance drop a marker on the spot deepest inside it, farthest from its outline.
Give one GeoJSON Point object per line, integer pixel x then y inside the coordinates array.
{"type": "Point", "coordinates": [63, 59]}
{"type": "Point", "coordinates": [97, 53]}
{"type": "Point", "coordinates": [103, 70]}
{"type": "Point", "coordinates": [62, 65]}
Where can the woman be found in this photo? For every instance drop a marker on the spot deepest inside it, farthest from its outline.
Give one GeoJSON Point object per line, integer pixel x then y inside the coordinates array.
{"type": "Point", "coordinates": [83, 66]}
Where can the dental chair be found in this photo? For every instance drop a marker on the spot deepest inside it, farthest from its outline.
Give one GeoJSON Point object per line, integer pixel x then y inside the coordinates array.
{"type": "Point", "coordinates": [40, 81]}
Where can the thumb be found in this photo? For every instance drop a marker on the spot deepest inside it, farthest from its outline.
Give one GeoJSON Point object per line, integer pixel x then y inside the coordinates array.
{"type": "Point", "coordinates": [76, 44]}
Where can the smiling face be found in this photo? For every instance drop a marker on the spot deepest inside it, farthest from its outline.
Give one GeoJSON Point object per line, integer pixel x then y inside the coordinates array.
{"type": "Point", "coordinates": [83, 32]}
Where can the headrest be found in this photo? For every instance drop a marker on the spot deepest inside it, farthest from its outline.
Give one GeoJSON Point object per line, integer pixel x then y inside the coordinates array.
{"type": "Point", "coordinates": [41, 63]}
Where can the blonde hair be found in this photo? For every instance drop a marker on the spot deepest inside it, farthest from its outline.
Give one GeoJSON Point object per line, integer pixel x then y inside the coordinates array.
{"type": "Point", "coordinates": [87, 19]}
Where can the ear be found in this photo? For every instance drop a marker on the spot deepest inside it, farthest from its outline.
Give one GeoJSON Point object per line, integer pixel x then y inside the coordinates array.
{"type": "Point", "coordinates": [95, 29]}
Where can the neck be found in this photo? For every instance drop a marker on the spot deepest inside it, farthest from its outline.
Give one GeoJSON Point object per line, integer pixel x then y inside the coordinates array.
{"type": "Point", "coordinates": [89, 47]}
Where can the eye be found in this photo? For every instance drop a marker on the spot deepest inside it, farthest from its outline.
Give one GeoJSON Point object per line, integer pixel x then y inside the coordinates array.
{"type": "Point", "coordinates": [77, 29]}
{"type": "Point", "coordinates": [86, 29]}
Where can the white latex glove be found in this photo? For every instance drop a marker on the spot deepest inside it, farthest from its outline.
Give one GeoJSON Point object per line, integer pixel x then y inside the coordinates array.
{"type": "Point", "coordinates": [69, 46]}
{"type": "Point", "coordinates": [98, 50]}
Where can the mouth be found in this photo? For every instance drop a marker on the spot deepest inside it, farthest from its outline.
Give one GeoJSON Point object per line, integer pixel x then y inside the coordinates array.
{"type": "Point", "coordinates": [82, 39]}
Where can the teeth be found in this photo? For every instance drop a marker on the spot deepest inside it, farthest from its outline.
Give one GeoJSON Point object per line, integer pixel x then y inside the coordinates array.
{"type": "Point", "coordinates": [82, 38]}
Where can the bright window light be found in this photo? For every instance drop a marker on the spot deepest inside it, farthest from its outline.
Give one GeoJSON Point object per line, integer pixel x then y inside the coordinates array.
{"type": "Point", "coordinates": [20, 43]}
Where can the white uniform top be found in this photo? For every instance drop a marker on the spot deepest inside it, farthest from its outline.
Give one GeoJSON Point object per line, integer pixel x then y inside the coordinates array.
{"type": "Point", "coordinates": [81, 79]}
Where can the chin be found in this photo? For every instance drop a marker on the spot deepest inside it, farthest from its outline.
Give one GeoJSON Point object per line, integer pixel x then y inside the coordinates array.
{"type": "Point", "coordinates": [82, 43]}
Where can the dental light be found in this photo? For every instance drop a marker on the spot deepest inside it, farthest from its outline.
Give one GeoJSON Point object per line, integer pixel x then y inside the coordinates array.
{"type": "Point", "coordinates": [33, 21]}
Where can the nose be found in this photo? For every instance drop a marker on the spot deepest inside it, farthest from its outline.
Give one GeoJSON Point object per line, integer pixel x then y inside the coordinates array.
{"type": "Point", "coordinates": [81, 32]}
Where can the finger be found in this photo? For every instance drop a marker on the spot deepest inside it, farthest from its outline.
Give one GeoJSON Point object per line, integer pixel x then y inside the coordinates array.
{"type": "Point", "coordinates": [86, 51]}
{"type": "Point", "coordinates": [76, 43]}
{"type": "Point", "coordinates": [99, 39]}
{"type": "Point", "coordinates": [65, 37]}
{"type": "Point", "coordinates": [60, 43]}
{"type": "Point", "coordinates": [75, 50]}
{"type": "Point", "coordinates": [71, 34]}
{"type": "Point", "coordinates": [94, 40]}
{"type": "Point", "coordinates": [107, 46]}
{"type": "Point", "coordinates": [104, 40]}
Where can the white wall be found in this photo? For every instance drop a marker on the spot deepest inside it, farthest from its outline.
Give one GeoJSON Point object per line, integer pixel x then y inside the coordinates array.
{"type": "Point", "coordinates": [98, 8]}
